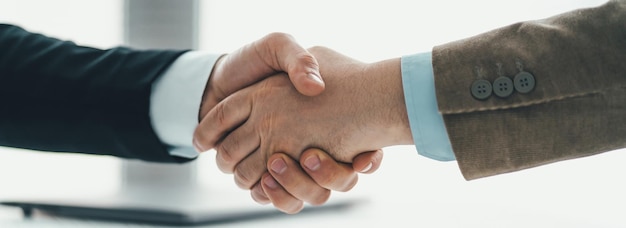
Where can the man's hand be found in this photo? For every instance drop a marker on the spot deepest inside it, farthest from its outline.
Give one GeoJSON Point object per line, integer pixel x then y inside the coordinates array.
{"type": "Point", "coordinates": [362, 109]}
{"type": "Point", "coordinates": [274, 53]}
{"type": "Point", "coordinates": [311, 180]}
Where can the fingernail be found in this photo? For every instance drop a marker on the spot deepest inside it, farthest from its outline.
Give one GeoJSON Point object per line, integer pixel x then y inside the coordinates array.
{"type": "Point", "coordinates": [270, 182]}
{"type": "Point", "coordinates": [367, 168]}
{"type": "Point", "coordinates": [312, 163]}
{"type": "Point", "coordinates": [278, 166]}
{"type": "Point", "coordinates": [316, 78]}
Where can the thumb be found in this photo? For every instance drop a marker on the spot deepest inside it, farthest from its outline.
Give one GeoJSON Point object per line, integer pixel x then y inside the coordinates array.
{"type": "Point", "coordinates": [367, 162]}
{"type": "Point", "coordinates": [285, 54]}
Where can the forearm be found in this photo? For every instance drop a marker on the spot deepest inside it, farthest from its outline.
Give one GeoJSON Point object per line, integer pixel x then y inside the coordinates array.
{"type": "Point", "coordinates": [40, 67]}
{"type": "Point", "coordinates": [58, 96]}
{"type": "Point", "coordinates": [571, 109]}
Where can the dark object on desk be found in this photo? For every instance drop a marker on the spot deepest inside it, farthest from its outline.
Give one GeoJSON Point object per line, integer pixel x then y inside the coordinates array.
{"type": "Point", "coordinates": [162, 217]}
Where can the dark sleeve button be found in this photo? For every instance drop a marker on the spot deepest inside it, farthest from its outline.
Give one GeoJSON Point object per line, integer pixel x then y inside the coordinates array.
{"type": "Point", "coordinates": [481, 89]}
{"type": "Point", "coordinates": [524, 82]}
{"type": "Point", "coordinates": [503, 86]}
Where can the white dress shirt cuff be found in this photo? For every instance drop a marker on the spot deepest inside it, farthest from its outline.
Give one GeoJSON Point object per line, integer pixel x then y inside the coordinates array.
{"type": "Point", "coordinates": [175, 101]}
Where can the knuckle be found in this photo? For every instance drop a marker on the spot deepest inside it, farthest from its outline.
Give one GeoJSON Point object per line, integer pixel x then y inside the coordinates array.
{"type": "Point", "coordinates": [329, 182]}
{"type": "Point", "coordinates": [278, 37]}
{"type": "Point", "coordinates": [275, 39]}
{"type": "Point", "coordinates": [342, 179]}
{"type": "Point", "coordinates": [296, 208]}
{"type": "Point", "coordinates": [320, 199]}
{"type": "Point", "coordinates": [258, 199]}
{"type": "Point", "coordinates": [244, 179]}
{"type": "Point", "coordinates": [229, 147]}
{"type": "Point", "coordinates": [258, 195]}
{"type": "Point", "coordinates": [201, 140]}
{"type": "Point", "coordinates": [348, 186]}
{"type": "Point", "coordinates": [224, 159]}
{"type": "Point", "coordinates": [307, 59]}
{"type": "Point", "coordinates": [226, 112]}
{"type": "Point", "coordinates": [220, 114]}
{"type": "Point", "coordinates": [225, 168]}
{"type": "Point", "coordinates": [289, 207]}
{"type": "Point", "coordinates": [338, 181]}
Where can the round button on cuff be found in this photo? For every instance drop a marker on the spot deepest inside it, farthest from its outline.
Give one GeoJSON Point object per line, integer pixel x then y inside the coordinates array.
{"type": "Point", "coordinates": [481, 89]}
{"type": "Point", "coordinates": [524, 82]}
{"type": "Point", "coordinates": [503, 86]}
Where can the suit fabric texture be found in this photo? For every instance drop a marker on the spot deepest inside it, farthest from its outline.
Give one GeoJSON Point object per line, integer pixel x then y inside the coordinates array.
{"type": "Point", "coordinates": [61, 97]}
{"type": "Point", "coordinates": [577, 107]}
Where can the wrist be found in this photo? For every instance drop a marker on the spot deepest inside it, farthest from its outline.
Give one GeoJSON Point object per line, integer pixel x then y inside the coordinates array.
{"type": "Point", "coordinates": [367, 101]}
{"type": "Point", "coordinates": [388, 105]}
{"type": "Point", "coordinates": [212, 93]}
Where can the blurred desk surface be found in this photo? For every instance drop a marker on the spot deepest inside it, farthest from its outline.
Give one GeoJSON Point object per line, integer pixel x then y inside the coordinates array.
{"type": "Point", "coordinates": [408, 190]}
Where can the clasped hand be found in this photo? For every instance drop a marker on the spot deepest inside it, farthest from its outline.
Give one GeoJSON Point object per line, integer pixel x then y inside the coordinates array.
{"type": "Point", "coordinates": [270, 124]}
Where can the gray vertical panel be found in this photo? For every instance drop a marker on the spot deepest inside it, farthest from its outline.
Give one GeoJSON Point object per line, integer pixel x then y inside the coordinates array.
{"type": "Point", "coordinates": [161, 24]}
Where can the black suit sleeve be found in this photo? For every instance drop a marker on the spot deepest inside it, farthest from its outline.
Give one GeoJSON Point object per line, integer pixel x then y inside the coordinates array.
{"type": "Point", "coordinates": [58, 96]}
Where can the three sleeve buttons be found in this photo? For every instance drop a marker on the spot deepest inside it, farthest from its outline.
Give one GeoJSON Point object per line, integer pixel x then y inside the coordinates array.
{"type": "Point", "coordinates": [523, 82]}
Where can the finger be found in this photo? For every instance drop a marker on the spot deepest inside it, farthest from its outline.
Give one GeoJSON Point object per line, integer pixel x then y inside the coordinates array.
{"type": "Point", "coordinates": [327, 172]}
{"type": "Point", "coordinates": [367, 162]}
{"type": "Point", "coordinates": [225, 116]}
{"type": "Point", "coordinates": [276, 52]}
{"type": "Point", "coordinates": [259, 195]}
{"type": "Point", "coordinates": [249, 170]}
{"type": "Point", "coordinates": [295, 181]}
{"type": "Point", "coordinates": [285, 54]}
{"type": "Point", "coordinates": [236, 146]}
{"type": "Point", "coordinates": [281, 199]}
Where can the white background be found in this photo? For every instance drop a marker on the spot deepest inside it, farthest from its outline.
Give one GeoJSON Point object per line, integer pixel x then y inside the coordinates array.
{"type": "Point", "coordinates": [408, 189]}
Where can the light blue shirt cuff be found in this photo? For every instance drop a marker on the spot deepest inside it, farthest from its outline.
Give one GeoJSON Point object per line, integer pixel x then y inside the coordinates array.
{"type": "Point", "coordinates": [427, 126]}
{"type": "Point", "coordinates": [175, 101]}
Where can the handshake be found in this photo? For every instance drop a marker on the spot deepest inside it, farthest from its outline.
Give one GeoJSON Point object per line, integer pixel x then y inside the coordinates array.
{"type": "Point", "coordinates": [292, 138]}
{"type": "Point", "coordinates": [293, 124]}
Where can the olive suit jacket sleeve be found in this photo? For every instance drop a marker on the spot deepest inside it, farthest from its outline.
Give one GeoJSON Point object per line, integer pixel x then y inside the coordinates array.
{"type": "Point", "coordinates": [577, 107]}
{"type": "Point", "coordinates": [58, 96]}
